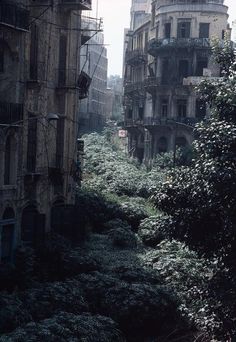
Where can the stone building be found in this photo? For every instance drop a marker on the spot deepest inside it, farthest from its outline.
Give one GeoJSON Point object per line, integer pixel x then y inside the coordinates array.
{"type": "Point", "coordinates": [39, 91]}
{"type": "Point", "coordinates": [114, 98]}
{"type": "Point", "coordinates": [167, 55]}
{"type": "Point", "coordinates": [93, 60]}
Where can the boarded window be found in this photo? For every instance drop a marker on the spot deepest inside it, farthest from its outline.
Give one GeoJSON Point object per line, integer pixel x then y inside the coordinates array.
{"type": "Point", "coordinates": [184, 29]}
{"type": "Point", "coordinates": [167, 30]}
{"type": "Point", "coordinates": [182, 108]}
{"type": "Point", "coordinates": [32, 144]}
{"type": "Point", "coordinates": [204, 30]}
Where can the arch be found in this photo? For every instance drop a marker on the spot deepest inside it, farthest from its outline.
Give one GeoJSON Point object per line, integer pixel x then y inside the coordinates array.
{"type": "Point", "coordinates": [162, 145]}
{"type": "Point", "coordinates": [181, 142]}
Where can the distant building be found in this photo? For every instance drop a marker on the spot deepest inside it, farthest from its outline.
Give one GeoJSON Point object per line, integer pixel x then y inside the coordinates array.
{"type": "Point", "coordinates": [234, 31]}
{"type": "Point", "coordinates": [93, 61]}
{"type": "Point", "coordinates": [39, 72]}
{"type": "Point", "coordinates": [114, 101]}
{"type": "Point", "coordinates": [167, 54]}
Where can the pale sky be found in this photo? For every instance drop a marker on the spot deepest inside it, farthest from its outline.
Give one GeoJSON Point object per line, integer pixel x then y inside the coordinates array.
{"type": "Point", "coordinates": [116, 16]}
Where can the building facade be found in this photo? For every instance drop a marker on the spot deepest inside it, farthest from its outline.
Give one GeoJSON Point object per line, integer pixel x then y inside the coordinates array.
{"type": "Point", "coordinates": [39, 90]}
{"type": "Point", "coordinates": [167, 56]}
{"type": "Point", "coordinates": [93, 60]}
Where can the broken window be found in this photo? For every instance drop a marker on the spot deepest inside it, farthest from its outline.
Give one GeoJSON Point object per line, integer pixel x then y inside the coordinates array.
{"type": "Point", "coordinates": [183, 68]}
{"type": "Point", "coordinates": [204, 30]}
{"type": "Point", "coordinates": [167, 30]}
{"type": "Point", "coordinates": [164, 108]}
{"type": "Point", "coordinates": [184, 29]}
{"type": "Point", "coordinates": [181, 108]}
{"type": "Point", "coordinates": [202, 63]}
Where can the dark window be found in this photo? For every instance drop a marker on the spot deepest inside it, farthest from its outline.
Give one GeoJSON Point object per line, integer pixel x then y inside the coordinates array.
{"type": "Point", "coordinates": [34, 52]}
{"type": "Point", "coordinates": [162, 145]}
{"type": "Point", "coordinates": [167, 30]}
{"type": "Point", "coordinates": [202, 63]}
{"type": "Point", "coordinates": [184, 29]}
{"type": "Point", "coordinates": [200, 109]}
{"type": "Point", "coordinates": [32, 144]}
{"type": "Point", "coordinates": [223, 34]}
{"type": "Point", "coordinates": [181, 142]}
{"type": "Point", "coordinates": [164, 108]}
{"type": "Point", "coordinates": [1, 59]}
{"type": "Point", "coordinates": [140, 113]}
{"type": "Point", "coordinates": [62, 61]}
{"type": "Point", "coordinates": [183, 68]}
{"type": "Point", "coordinates": [204, 30]}
{"type": "Point", "coordinates": [165, 72]}
{"type": "Point", "coordinates": [60, 143]}
{"type": "Point", "coordinates": [181, 108]}
{"type": "Point", "coordinates": [8, 157]}
{"type": "Point", "coordinates": [130, 113]}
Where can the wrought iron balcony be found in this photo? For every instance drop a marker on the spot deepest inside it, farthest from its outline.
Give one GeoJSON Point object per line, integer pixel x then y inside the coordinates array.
{"type": "Point", "coordinates": [10, 113]}
{"type": "Point", "coordinates": [157, 45]}
{"type": "Point", "coordinates": [14, 16]}
{"type": "Point", "coordinates": [188, 122]}
{"type": "Point", "coordinates": [133, 88]}
{"type": "Point", "coordinates": [135, 57]}
{"type": "Point", "coordinates": [82, 5]}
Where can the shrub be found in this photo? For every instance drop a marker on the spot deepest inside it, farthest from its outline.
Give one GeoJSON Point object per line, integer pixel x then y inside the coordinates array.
{"type": "Point", "coordinates": [152, 230]}
{"type": "Point", "coordinates": [123, 238]}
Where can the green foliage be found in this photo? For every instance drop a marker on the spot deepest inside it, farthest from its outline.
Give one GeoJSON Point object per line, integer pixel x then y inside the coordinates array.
{"type": "Point", "coordinates": [120, 234]}
{"type": "Point", "coordinates": [152, 230]}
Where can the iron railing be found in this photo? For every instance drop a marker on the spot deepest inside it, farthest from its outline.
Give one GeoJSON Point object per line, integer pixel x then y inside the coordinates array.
{"type": "Point", "coordinates": [13, 15]}
{"type": "Point", "coordinates": [170, 121]}
{"type": "Point", "coordinates": [135, 57]}
{"type": "Point", "coordinates": [10, 113]}
{"type": "Point", "coordinates": [78, 4]}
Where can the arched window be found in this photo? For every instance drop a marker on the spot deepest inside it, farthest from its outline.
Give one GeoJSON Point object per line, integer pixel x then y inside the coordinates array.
{"type": "Point", "coordinates": [7, 235]}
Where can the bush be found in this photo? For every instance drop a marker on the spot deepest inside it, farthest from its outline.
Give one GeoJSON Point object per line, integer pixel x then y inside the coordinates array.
{"type": "Point", "coordinates": [152, 230]}
{"type": "Point", "coordinates": [123, 238]}
{"type": "Point", "coordinates": [68, 327]}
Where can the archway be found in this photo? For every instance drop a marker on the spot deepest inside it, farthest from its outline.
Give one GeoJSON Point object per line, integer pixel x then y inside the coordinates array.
{"type": "Point", "coordinates": [7, 235]}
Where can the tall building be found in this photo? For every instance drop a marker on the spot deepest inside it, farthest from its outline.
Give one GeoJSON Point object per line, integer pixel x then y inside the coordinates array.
{"type": "Point", "coordinates": [39, 90]}
{"type": "Point", "coordinates": [114, 99]}
{"type": "Point", "coordinates": [166, 56]}
{"type": "Point", "coordinates": [93, 60]}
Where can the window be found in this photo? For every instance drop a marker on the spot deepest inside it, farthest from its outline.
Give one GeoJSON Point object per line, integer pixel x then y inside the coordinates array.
{"type": "Point", "coordinates": [60, 143]}
{"type": "Point", "coordinates": [223, 34]}
{"type": "Point", "coordinates": [1, 59]}
{"type": "Point", "coordinates": [202, 63]}
{"type": "Point", "coordinates": [165, 72]}
{"type": "Point", "coordinates": [204, 30]}
{"type": "Point", "coordinates": [140, 113]}
{"type": "Point", "coordinates": [32, 143]}
{"type": "Point", "coordinates": [200, 109]}
{"type": "Point", "coordinates": [184, 29]}
{"type": "Point", "coordinates": [162, 145]}
{"type": "Point", "coordinates": [167, 30]}
{"type": "Point", "coordinates": [164, 108]}
{"type": "Point", "coordinates": [183, 68]}
{"type": "Point", "coordinates": [8, 157]}
{"type": "Point", "coordinates": [182, 108]}
{"type": "Point", "coordinates": [34, 52]}
{"type": "Point", "coordinates": [62, 61]}
{"type": "Point", "coordinates": [130, 113]}
{"type": "Point", "coordinates": [7, 236]}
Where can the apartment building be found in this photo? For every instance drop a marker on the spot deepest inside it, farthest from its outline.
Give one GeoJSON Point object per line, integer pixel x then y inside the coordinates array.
{"type": "Point", "coordinates": [166, 57]}
{"type": "Point", "coordinates": [39, 91]}
{"type": "Point", "coordinates": [94, 63]}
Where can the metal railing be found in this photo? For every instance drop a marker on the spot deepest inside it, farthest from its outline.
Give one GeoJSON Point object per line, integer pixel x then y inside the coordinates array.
{"type": "Point", "coordinates": [134, 57]}
{"type": "Point", "coordinates": [78, 4]}
{"type": "Point", "coordinates": [14, 16]}
{"type": "Point", "coordinates": [10, 113]}
{"type": "Point", "coordinates": [170, 121]}
{"type": "Point", "coordinates": [157, 44]}
{"type": "Point", "coordinates": [134, 87]}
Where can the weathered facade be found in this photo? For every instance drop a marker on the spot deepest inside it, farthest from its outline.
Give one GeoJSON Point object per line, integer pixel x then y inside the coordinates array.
{"type": "Point", "coordinates": [92, 110]}
{"type": "Point", "coordinates": [166, 57]}
{"type": "Point", "coordinates": [39, 70]}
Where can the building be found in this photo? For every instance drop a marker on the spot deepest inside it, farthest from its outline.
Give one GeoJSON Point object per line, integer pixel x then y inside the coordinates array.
{"type": "Point", "coordinates": [234, 31]}
{"type": "Point", "coordinates": [167, 55]}
{"type": "Point", "coordinates": [93, 60]}
{"type": "Point", "coordinates": [114, 98]}
{"type": "Point", "coordinates": [39, 90]}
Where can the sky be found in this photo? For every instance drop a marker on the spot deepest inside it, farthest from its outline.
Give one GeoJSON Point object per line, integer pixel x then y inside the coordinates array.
{"type": "Point", "coordinates": [116, 17]}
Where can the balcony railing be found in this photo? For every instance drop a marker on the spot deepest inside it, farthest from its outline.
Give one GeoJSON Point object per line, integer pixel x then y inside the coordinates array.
{"type": "Point", "coordinates": [189, 122]}
{"type": "Point", "coordinates": [82, 5]}
{"type": "Point", "coordinates": [14, 16]}
{"type": "Point", "coordinates": [156, 45]}
{"type": "Point", "coordinates": [135, 57]}
{"type": "Point", "coordinates": [10, 113]}
{"type": "Point", "coordinates": [134, 87]}
{"type": "Point", "coordinates": [66, 78]}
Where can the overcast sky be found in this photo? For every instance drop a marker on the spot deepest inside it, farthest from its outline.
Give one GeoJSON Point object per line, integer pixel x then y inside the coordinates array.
{"type": "Point", "coordinates": [116, 17]}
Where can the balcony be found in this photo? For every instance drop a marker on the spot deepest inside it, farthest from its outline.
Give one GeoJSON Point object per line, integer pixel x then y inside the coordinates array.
{"type": "Point", "coordinates": [66, 79]}
{"type": "Point", "coordinates": [187, 122]}
{"type": "Point", "coordinates": [151, 84]}
{"type": "Point", "coordinates": [10, 113]}
{"type": "Point", "coordinates": [135, 57]}
{"type": "Point", "coordinates": [81, 5]}
{"type": "Point", "coordinates": [157, 45]}
{"type": "Point", "coordinates": [14, 16]}
{"type": "Point", "coordinates": [134, 89]}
